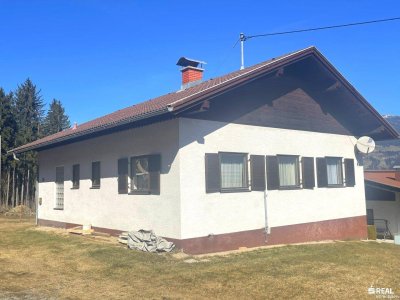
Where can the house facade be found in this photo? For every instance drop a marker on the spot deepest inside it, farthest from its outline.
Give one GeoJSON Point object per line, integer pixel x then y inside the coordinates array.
{"type": "Point", "coordinates": [260, 156]}
{"type": "Point", "coordinates": [382, 194]}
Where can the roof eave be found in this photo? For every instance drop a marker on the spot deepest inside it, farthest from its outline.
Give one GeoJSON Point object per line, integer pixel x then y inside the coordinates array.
{"type": "Point", "coordinates": [88, 132]}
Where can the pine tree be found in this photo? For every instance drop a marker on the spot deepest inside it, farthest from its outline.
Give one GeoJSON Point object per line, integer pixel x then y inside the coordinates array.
{"type": "Point", "coordinates": [56, 120]}
{"type": "Point", "coordinates": [8, 128]}
{"type": "Point", "coordinates": [29, 117]}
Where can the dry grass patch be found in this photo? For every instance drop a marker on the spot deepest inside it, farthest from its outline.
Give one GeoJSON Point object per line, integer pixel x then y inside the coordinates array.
{"type": "Point", "coordinates": [46, 264]}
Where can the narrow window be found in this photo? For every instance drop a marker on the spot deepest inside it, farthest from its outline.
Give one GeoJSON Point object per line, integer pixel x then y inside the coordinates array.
{"type": "Point", "coordinates": [96, 174]}
{"type": "Point", "coordinates": [233, 170]}
{"type": "Point", "coordinates": [123, 176]}
{"type": "Point", "coordinates": [59, 188]}
{"type": "Point", "coordinates": [140, 176]}
{"type": "Point", "coordinates": [334, 170]}
{"type": "Point", "coordinates": [75, 176]}
{"type": "Point", "coordinates": [288, 171]}
{"type": "Point", "coordinates": [370, 217]}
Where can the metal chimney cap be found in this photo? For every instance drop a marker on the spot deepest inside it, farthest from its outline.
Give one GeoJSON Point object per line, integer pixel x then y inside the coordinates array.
{"type": "Point", "coordinates": [188, 62]}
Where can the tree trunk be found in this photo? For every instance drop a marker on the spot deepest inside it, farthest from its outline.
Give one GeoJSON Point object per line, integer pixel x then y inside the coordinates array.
{"type": "Point", "coordinates": [8, 187]}
{"type": "Point", "coordinates": [28, 200]}
{"type": "Point", "coordinates": [13, 189]}
{"type": "Point", "coordinates": [22, 191]}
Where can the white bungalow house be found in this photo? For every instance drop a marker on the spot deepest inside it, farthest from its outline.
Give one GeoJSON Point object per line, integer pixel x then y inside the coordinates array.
{"type": "Point", "coordinates": [382, 194]}
{"type": "Point", "coordinates": [260, 156]}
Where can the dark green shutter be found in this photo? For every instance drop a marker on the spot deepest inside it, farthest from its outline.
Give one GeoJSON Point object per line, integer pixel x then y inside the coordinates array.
{"type": "Point", "coordinates": [212, 173]}
{"type": "Point", "coordinates": [123, 176]}
{"type": "Point", "coordinates": [272, 173]}
{"type": "Point", "coordinates": [322, 172]}
{"type": "Point", "coordinates": [257, 165]}
{"type": "Point", "coordinates": [308, 172]}
{"type": "Point", "coordinates": [349, 172]}
{"type": "Point", "coordinates": [154, 172]}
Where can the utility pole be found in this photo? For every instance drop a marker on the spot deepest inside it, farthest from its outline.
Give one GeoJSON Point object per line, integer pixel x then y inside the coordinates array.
{"type": "Point", "coordinates": [242, 39]}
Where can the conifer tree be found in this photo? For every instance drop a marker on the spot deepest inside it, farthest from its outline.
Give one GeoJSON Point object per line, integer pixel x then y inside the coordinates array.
{"type": "Point", "coordinates": [56, 120]}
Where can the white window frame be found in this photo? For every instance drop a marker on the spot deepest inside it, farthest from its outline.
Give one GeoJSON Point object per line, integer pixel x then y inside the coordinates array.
{"type": "Point", "coordinates": [57, 203]}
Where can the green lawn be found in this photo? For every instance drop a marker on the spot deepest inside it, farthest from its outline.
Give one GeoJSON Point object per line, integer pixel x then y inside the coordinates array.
{"type": "Point", "coordinates": [39, 265]}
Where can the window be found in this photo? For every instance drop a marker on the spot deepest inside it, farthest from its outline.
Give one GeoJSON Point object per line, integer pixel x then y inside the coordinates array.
{"type": "Point", "coordinates": [233, 170]}
{"type": "Point", "coordinates": [95, 175]}
{"type": "Point", "coordinates": [145, 174]}
{"type": "Point", "coordinates": [334, 170]}
{"type": "Point", "coordinates": [140, 177]}
{"type": "Point", "coordinates": [75, 176]}
{"type": "Point", "coordinates": [370, 217]}
{"type": "Point", "coordinates": [288, 171]}
{"type": "Point", "coordinates": [59, 188]}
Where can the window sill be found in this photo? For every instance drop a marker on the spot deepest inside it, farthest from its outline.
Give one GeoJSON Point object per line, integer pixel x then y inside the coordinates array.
{"type": "Point", "coordinates": [75, 188]}
{"type": "Point", "coordinates": [336, 186]}
{"type": "Point", "coordinates": [235, 190]}
{"type": "Point", "coordinates": [139, 193]}
{"type": "Point", "coordinates": [95, 187]}
{"type": "Point", "coordinates": [284, 188]}
{"type": "Point", "coordinates": [57, 208]}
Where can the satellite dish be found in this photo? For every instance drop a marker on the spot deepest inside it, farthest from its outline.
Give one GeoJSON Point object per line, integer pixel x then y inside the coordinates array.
{"type": "Point", "coordinates": [365, 144]}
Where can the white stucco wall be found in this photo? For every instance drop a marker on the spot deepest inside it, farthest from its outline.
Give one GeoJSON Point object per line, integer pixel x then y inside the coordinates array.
{"type": "Point", "coordinates": [389, 210]}
{"type": "Point", "coordinates": [217, 213]}
{"type": "Point", "coordinates": [104, 207]}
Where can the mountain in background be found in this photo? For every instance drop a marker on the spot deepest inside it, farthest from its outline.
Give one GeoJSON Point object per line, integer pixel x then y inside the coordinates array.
{"type": "Point", "coordinates": [387, 153]}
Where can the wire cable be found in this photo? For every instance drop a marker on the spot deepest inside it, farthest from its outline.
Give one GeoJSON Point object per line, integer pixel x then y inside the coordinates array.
{"type": "Point", "coordinates": [321, 28]}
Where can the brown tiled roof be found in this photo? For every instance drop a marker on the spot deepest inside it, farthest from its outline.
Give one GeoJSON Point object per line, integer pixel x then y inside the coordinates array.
{"type": "Point", "coordinates": [172, 102]}
{"type": "Point", "coordinates": [386, 178]}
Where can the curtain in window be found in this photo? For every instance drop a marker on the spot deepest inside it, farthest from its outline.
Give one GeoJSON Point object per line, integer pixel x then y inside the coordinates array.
{"type": "Point", "coordinates": [287, 171]}
{"type": "Point", "coordinates": [232, 171]}
{"type": "Point", "coordinates": [141, 179]}
{"type": "Point", "coordinates": [334, 169]}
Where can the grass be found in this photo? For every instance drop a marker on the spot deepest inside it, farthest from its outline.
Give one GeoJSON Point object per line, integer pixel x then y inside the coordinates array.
{"type": "Point", "coordinates": [44, 265]}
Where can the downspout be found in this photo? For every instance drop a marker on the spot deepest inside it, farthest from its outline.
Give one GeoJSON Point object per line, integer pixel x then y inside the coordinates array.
{"type": "Point", "coordinates": [266, 227]}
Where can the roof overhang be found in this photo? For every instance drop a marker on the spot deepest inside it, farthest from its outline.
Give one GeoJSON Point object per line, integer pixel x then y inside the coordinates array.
{"type": "Point", "coordinates": [206, 92]}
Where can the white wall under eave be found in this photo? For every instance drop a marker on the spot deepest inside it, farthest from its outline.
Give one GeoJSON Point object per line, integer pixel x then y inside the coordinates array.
{"type": "Point", "coordinates": [104, 207]}
{"type": "Point", "coordinates": [388, 210]}
{"type": "Point", "coordinates": [217, 213]}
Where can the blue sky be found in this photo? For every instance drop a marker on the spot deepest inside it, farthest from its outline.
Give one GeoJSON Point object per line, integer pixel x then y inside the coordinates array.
{"type": "Point", "coordinates": [100, 56]}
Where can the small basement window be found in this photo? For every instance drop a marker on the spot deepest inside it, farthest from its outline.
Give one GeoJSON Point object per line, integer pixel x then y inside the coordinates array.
{"type": "Point", "coordinates": [233, 168]}
{"type": "Point", "coordinates": [288, 171]}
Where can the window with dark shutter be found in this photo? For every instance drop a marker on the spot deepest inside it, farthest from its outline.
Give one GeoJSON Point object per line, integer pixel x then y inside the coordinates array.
{"type": "Point", "coordinates": [145, 174]}
{"type": "Point", "coordinates": [288, 168]}
{"type": "Point", "coordinates": [322, 173]}
{"type": "Point", "coordinates": [75, 176]}
{"type": "Point", "coordinates": [96, 174]}
{"type": "Point", "coordinates": [233, 171]}
{"type": "Point", "coordinates": [212, 173]}
{"type": "Point", "coordinates": [272, 173]}
{"type": "Point", "coordinates": [123, 176]}
{"type": "Point", "coordinates": [308, 172]}
{"type": "Point", "coordinates": [334, 171]}
{"type": "Point", "coordinates": [257, 166]}
{"type": "Point", "coordinates": [349, 172]}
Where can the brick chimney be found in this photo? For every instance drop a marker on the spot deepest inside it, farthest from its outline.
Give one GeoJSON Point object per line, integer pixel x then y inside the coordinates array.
{"type": "Point", "coordinates": [192, 71]}
{"type": "Point", "coordinates": [397, 172]}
